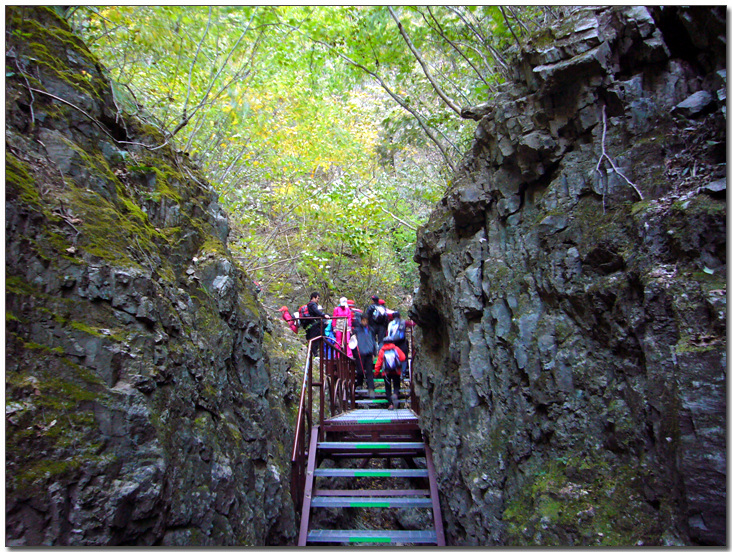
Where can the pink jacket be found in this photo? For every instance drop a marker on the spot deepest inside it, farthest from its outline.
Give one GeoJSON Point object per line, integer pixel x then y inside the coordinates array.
{"type": "Point", "coordinates": [343, 311]}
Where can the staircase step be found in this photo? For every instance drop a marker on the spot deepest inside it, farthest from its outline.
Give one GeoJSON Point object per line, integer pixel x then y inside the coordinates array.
{"type": "Point", "coordinates": [371, 492]}
{"type": "Point", "coordinates": [369, 472]}
{"type": "Point", "coordinates": [370, 502]}
{"type": "Point", "coordinates": [366, 391]}
{"type": "Point", "coordinates": [371, 445]}
{"type": "Point", "coordinates": [381, 391]}
{"type": "Point", "coordinates": [367, 402]}
{"type": "Point", "coordinates": [389, 537]}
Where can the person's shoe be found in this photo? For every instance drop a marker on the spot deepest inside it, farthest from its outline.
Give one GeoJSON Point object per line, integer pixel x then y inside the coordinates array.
{"type": "Point", "coordinates": [395, 401]}
{"type": "Point", "coordinates": [372, 394]}
{"type": "Point", "coordinates": [391, 407]}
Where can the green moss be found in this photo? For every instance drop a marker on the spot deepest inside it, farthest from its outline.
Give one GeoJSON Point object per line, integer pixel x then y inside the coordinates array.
{"type": "Point", "coordinates": [167, 179]}
{"type": "Point", "coordinates": [639, 206]}
{"type": "Point", "coordinates": [688, 345]}
{"type": "Point", "coordinates": [10, 317]}
{"type": "Point", "coordinates": [48, 469]}
{"type": "Point", "coordinates": [582, 502]}
{"type": "Point", "coordinates": [18, 181]}
{"type": "Point", "coordinates": [31, 346]}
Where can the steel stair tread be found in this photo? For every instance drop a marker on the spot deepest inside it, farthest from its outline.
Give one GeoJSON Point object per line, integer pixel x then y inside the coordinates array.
{"type": "Point", "coordinates": [391, 536]}
{"type": "Point", "coordinates": [370, 502]}
{"type": "Point", "coordinates": [371, 401]}
{"type": "Point", "coordinates": [371, 445]}
{"type": "Point", "coordinates": [370, 472]}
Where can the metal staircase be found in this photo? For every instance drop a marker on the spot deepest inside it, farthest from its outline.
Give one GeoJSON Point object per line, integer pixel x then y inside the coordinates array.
{"type": "Point", "coordinates": [360, 432]}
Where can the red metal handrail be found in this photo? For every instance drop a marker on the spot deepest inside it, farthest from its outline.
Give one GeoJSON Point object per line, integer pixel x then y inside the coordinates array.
{"type": "Point", "coordinates": [413, 399]}
{"type": "Point", "coordinates": [336, 370]}
{"type": "Point", "coordinates": [340, 372]}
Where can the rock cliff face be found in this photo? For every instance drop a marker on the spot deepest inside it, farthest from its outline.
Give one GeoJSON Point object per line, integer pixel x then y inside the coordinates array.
{"type": "Point", "coordinates": [572, 364]}
{"type": "Point", "coordinates": [142, 406]}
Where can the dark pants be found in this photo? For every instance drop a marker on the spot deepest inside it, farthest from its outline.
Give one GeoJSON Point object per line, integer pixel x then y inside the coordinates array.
{"type": "Point", "coordinates": [392, 379]}
{"type": "Point", "coordinates": [312, 331]}
{"type": "Point", "coordinates": [405, 364]}
{"type": "Point", "coordinates": [365, 367]}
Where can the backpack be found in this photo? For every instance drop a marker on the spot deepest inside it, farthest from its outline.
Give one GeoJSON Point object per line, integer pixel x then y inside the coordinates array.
{"type": "Point", "coordinates": [398, 331]}
{"type": "Point", "coordinates": [287, 317]}
{"type": "Point", "coordinates": [391, 361]}
{"type": "Point", "coordinates": [303, 312]}
{"type": "Point", "coordinates": [379, 315]}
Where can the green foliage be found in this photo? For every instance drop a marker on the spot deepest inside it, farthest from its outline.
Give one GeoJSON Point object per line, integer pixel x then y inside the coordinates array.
{"type": "Point", "coordinates": [298, 117]}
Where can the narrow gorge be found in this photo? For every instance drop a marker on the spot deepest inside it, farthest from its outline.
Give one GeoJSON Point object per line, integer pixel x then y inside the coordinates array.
{"type": "Point", "coordinates": [571, 309]}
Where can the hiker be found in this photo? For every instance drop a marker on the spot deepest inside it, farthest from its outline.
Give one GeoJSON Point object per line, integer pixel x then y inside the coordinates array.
{"type": "Point", "coordinates": [312, 327]}
{"type": "Point", "coordinates": [287, 317]}
{"type": "Point", "coordinates": [354, 308]}
{"type": "Point", "coordinates": [376, 314]}
{"type": "Point", "coordinates": [343, 320]}
{"type": "Point", "coordinates": [329, 343]}
{"type": "Point", "coordinates": [397, 330]}
{"type": "Point", "coordinates": [391, 359]}
{"type": "Point", "coordinates": [363, 344]}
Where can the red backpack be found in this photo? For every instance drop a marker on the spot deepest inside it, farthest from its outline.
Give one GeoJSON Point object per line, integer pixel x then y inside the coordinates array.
{"type": "Point", "coordinates": [287, 317]}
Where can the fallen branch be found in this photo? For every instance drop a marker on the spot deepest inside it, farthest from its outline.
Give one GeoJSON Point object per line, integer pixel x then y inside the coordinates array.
{"type": "Point", "coordinates": [275, 263]}
{"type": "Point", "coordinates": [604, 155]}
{"type": "Point", "coordinates": [100, 125]}
{"type": "Point", "coordinates": [405, 223]}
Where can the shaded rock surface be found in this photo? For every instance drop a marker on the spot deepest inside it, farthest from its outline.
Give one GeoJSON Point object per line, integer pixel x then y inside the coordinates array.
{"type": "Point", "coordinates": [146, 401]}
{"type": "Point", "coordinates": [572, 341]}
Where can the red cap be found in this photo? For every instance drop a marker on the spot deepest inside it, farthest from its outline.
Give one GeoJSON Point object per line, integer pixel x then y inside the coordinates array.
{"type": "Point", "coordinates": [382, 302]}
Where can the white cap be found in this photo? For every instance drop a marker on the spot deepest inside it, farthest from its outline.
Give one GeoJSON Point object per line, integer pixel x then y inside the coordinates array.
{"type": "Point", "coordinates": [344, 302]}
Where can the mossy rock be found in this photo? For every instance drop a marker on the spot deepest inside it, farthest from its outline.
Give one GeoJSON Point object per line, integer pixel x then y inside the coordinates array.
{"type": "Point", "coordinates": [583, 501]}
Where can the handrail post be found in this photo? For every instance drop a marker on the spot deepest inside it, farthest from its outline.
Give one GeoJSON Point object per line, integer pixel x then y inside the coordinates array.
{"type": "Point", "coordinates": [321, 413]}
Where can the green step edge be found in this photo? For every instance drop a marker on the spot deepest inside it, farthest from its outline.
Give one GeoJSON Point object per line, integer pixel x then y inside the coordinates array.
{"type": "Point", "coordinates": [370, 539]}
{"type": "Point", "coordinates": [372, 446]}
{"type": "Point", "coordinates": [369, 505]}
{"type": "Point", "coordinates": [358, 473]}
{"type": "Point", "coordinates": [378, 421]}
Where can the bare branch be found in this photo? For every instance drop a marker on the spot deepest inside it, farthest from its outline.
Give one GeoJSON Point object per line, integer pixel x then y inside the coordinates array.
{"type": "Point", "coordinates": [516, 17]}
{"type": "Point", "coordinates": [450, 103]}
{"type": "Point", "coordinates": [193, 63]}
{"type": "Point", "coordinates": [604, 155]}
{"type": "Point", "coordinates": [454, 46]}
{"type": "Point", "coordinates": [508, 24]}
{"type": "Point", "coordinates": [100, 125]}
{"type": "Point", "coordinates": [395, 97]}
{"type": "Point", "coordinates": [185, 120]}
{"type": "Point", "coordinates": [496, 55]}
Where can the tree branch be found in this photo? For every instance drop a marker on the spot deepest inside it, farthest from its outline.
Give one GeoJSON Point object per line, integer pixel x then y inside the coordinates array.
{"type": "Point", "coordinates": [510, 28]}
{"type": "Point", "coordinates": [185, 120]}
{"type": "Point", "coordinates": [496, 56]}
{"type": "Point", "coordinates": [454, 47]}
{"type": "Point", "coordinates": [395, 97]}
{"type": "Point", "coordinates": [193, 63]}
{"type": "Point", "coordinates": [450, 103]}
{"type": "Point", "coordinates": [604, 155]}
{"type": "Point", "coordinates": [100, 125]}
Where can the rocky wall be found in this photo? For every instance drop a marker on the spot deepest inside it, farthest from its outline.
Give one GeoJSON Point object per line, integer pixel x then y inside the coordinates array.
{"type": "Point", "coordinates": [143, 405]}
{"type": "Point", "coordinates": [572, 300]}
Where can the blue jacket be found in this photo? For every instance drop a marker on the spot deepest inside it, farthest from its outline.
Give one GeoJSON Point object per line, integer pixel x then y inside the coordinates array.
{"type": "Point", "coordinates": [365, 335]}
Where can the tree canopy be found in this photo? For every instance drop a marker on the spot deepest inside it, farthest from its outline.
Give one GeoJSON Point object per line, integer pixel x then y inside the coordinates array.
{"type": "Point", "coordinates": [329, 132]}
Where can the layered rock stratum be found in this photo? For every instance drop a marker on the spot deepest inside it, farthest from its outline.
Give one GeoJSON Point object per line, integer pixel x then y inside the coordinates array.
{"type": "Point", "coordinates": [146, 402]}
{"type": "Point", "coordinates": [572, 300]}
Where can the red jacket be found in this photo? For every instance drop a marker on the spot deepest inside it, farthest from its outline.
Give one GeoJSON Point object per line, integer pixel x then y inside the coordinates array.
{"type": "Point", "coordinates": [380, 360]}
